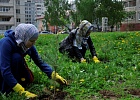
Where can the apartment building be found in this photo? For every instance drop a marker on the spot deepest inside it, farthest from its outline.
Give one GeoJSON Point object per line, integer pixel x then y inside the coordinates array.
{"type": "Point", "coordinates": [14, 12]}
{"type": "Point", "coordinates": [39, 14]}
{"type": "Point", "coordinates": [132, 23]}
{"type": "Point", "coordinates": [7, 14]}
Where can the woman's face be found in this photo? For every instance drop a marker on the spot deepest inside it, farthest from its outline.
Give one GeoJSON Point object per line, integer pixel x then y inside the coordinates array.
{"type": "Point", "coordinates": [30, 43]}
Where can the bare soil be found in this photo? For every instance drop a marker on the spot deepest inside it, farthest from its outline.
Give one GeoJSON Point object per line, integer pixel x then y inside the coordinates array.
{"type": "Point", "coordinates": [106, 94]}
{"type": "Point", "coordinates": [63, 95]}
{"type": "Point", "coordinates": [54, 95]}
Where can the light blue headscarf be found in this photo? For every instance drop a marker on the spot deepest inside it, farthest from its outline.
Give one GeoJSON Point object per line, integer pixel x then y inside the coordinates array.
{"type": "Point", "coordinates": [23, 32]}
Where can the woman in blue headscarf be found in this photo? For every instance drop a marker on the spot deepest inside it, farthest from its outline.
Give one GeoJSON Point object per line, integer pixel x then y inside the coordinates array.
{"type": "Point", "coordinates": [15, 74]}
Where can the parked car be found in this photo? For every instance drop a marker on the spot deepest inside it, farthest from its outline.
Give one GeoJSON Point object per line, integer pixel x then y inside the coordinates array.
{"type": "Point", "coordinates": [46, 32]}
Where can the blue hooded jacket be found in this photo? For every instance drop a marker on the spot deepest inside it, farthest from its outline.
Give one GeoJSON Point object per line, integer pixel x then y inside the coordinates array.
{"type": "Point", "coordinates": [8, 46]}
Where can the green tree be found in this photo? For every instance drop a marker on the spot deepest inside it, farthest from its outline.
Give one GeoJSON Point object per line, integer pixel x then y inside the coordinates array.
{"type": "Point", "coordinates": [85, 10]}
{"type": "Point", "coordinates": [55, 13]}
{"type": "Point", "coordinates": [114, 11]}
{"type": "Point", "coordinates": [94, 10]}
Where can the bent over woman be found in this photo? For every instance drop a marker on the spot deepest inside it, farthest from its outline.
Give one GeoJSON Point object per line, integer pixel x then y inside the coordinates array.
{"type": "Point", "coordinates": [14, 72]}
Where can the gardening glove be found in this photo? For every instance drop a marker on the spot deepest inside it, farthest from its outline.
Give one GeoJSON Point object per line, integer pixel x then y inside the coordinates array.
{"type": "Point", "coordinates": [95, 59]}
{"type": "Point", "coordinates": [83, 60]}
{"type": "Point", "coordinates": [18, 88]}
{"type": "Point", "coordinates": [58, 78]}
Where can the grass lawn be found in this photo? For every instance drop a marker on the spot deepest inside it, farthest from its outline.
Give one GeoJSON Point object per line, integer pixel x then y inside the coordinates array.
{"type": "Point", "coordinates": [116, 77]}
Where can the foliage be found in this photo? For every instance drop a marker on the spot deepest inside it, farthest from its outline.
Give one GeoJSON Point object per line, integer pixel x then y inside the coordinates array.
{"type": "Point", "coordinates": [86, 9]}
{"type": "Point", "coordinates": [55, 13]}
{"type": "Point", "coordinates": [91, 10]}
{"type": "Point", "coordinates": [118, 71]}
{"type": "Point", "coordinates": [96, 9]}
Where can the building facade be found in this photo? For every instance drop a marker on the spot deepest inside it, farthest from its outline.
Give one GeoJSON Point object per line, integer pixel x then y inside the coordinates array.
{"type": "Point", "coordinates": [7, 14]}
{"type": "Point", "coordinates": [14, 12]}
{"type": "Point", "coordinates": [39, 14]}
{"type": "Point", "coordinates": [132, 23]}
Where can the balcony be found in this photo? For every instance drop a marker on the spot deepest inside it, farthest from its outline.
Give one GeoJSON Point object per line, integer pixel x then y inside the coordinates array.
{"type": "Point", "coordinates": [130, 8]}
{"type": "Point", "coordinates": [6, 14]}
{"type": "Point", "coordinates": [6, 4]}
{"type": "Point", "coordinates": [128, 0]}
{"type": "Point", "coordinates": [6, 23]}
{"type": "Point", "coordinates": [9, 12]}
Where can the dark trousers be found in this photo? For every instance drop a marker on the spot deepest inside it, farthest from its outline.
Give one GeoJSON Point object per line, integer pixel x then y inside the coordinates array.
{"type": "Point", "coordinates": [72, 54]}
{"type": "Point", "coordinates": [20, 71]}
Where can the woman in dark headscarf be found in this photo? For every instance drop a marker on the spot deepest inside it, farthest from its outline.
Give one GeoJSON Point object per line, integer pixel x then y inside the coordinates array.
{"type": "Point", "coordinates": [78, 41]}
{"type": "Point", "coordinates": [15, 74]}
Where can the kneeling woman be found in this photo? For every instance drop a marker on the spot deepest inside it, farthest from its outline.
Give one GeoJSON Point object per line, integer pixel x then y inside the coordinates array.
{"type": "Point", "coordinates": [15, 74]}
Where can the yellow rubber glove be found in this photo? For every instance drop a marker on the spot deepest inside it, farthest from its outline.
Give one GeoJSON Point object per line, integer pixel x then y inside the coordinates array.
{"type": "Point", "coordinates": [18, 88]}
{"type": "Point", "coordinates": [83, 60]}
{"type": "Point", "coordinates": [95, 59]}
{"type": "Point", "coordinates": [58, 78]}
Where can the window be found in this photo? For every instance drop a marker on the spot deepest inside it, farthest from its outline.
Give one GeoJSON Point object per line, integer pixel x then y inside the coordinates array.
{"type": "Point", "coordinates": [4, 9]}
{"type": "Point", "coordinates": [8, 27]}
{"type": "Point", "coordinates": [26, 19]}
{"type": "Point", "coordinates": [38, 5]}
{"type": "Point", "coordinates": [38, 8]}
{"type": "Point", "coordinates": [29, 12]}
{"type": "Point", "coordinates": [4, 1]}
{"type": "Point", "coordinates": [7, 9]}
{"type": "Point", "coordinates": [5, 19]}
{"type": "Point", "coordinates": [28, 0]}
{"type": "Point", "coordinates": [18, 11]}
{"type": "Point", "coordinates": [18, 19]}
{"type": "Point", "coordinates": [138, 16]}
{"type": "Point", "coordinates": [131, 18]}
{"type": "Point", "coordinates": [28, 22]}
{"type": "Point", "coordinates": [2, 27]}
{"type": "Point", "coordinates": [38, 15]}
{"type": "Point", "coordinates": [17, 2]}
{"type": "Point", "coordinates": [0, 9]}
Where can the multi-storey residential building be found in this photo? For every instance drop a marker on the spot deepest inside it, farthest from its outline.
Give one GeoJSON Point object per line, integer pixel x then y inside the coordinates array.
{"type": "Point", "coordinates": [39, 14]}
{"type": "Point", "coordinates": [14, 12]}
{"type": "Point", "coordinates": [7, 14]}
{"type": "Point", "coordinates": [29, 12]}
{"type": "Point", "coordinates": [39, 8]}
{"type": "Point", "coordinates": [133, 20]}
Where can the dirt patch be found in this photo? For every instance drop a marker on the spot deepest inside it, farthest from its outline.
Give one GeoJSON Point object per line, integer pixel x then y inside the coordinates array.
{"type": "Point", "coordinates": [54, 95]}
{"type": "Point", "coordinates": [134, 92]}
{"type": "Point", "coordinates": [106, 94]}
{"type": "Point", "coordinates": [63, 95]}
